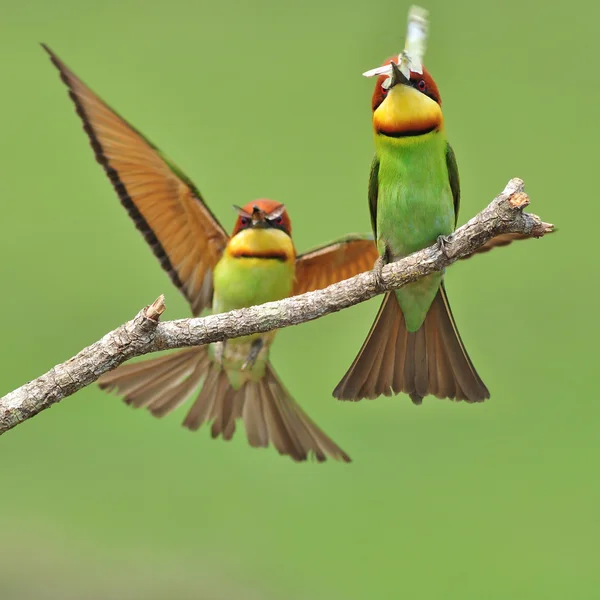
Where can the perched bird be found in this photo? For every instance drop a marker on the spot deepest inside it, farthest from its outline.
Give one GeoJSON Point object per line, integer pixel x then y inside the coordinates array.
{"type": "Point", "coordinates": [257, 264]}
{"type": "Point", "coordinates": [414, 193]}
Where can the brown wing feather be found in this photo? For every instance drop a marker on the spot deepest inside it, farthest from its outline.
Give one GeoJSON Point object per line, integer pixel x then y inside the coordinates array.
{"type": "Point", "coordinates": [334, 262]}
{"type": "Point", "coordinates": [500, 240]}
{"type": "Point", "coordinates": [162, 201]}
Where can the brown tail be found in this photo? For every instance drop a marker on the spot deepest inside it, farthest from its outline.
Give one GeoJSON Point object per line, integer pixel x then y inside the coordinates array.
{"type": "Point", "coordinates": [266, 407]}
{"type": "Point", "coordinates": [432, 360]}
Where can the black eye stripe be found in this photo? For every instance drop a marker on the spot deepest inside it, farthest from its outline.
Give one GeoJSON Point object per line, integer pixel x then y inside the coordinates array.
{"type": "Point", "coordinates": [276, 224]}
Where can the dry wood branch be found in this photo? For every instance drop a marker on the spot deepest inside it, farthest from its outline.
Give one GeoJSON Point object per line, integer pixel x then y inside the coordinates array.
{"type": "Point", "coordinates": [144, 334]}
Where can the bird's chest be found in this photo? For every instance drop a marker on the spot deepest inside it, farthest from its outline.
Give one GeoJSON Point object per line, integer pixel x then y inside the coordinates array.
{"type": "Point", "coordinates": [414, 202]}
{"type": "Point", "coordinates": [243, 282]}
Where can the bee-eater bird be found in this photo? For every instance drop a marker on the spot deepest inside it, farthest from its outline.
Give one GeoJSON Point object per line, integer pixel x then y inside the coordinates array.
{"type": "Point", "coordinates": [414, 345]}
{"type": "Point", "coordinates": [256, 264]}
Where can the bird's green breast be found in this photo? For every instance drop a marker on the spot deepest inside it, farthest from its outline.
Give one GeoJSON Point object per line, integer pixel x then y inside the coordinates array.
{"type": "Point", "coordinates": [414, 207]}
{"type": "Point", "coordinates": [243, 282]}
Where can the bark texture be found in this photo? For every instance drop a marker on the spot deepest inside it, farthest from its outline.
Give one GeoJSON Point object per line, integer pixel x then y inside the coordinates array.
{"type": "Point", "coordinates": [145, 334]}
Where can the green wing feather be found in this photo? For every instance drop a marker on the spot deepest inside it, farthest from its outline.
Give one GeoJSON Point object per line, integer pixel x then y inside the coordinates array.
{"type": "Point", "coordinates": [454, 180]}
{"type": "Point", "coordinates": [373, 187]}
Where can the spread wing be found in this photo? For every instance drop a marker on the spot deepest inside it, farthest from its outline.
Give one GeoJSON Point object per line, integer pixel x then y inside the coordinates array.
{"type": "Point", "coordinates": [164, 204]}
{"type": "Point", "coordinates": [334, 262]}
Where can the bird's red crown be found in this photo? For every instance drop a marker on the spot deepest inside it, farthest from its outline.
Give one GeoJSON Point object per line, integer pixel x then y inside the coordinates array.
{"type": "Point", "coordinates": [424, 83]}
{"type": "Point", "coordinates": [267, 206]}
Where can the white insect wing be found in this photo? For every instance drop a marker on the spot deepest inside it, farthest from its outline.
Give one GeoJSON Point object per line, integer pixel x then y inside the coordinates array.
{"type": "Point", "coordinates": [411, 58]}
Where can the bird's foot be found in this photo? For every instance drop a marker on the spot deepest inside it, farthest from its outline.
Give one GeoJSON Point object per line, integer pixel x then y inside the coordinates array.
{"type": "Point", "coordinates": [255, 349]}
{"type": "Point", "coordinates": [442, 242]}
{"type": "Point", "coordinates": [378, 271]}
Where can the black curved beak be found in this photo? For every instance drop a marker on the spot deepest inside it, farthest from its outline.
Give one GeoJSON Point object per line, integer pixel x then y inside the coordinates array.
{"type": "Point", "coordinates": [397, 76]}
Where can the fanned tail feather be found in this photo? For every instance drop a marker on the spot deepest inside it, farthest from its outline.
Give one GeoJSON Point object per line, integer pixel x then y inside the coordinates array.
{"type": "Point", "coordinates": [430, 361]}
{"type": "Point", "coordinates": [269, 413]}
{"type": "Point", "coordinates": [159, 384]}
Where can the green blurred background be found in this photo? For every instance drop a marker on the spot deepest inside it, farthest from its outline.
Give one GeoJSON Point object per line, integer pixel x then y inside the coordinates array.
{"type": "Point", "coordinates": [265, 98]}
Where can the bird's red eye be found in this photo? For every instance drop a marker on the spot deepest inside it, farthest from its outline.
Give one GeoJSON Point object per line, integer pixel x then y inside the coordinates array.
{"type": "Point", "coordinates": [384, 90]}
{"type": "Point", "coordinates": [279, 220]}
{"type": "Point", "coordinates": [244, 221]}
{"type": "Point", "coordinates": [422, 85]}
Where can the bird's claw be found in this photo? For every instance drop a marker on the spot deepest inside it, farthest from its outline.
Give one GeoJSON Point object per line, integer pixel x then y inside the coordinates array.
{"type": "Point", "coordinates": [255, 349]}
{"type": "Point", "coordinates": [442, 242]}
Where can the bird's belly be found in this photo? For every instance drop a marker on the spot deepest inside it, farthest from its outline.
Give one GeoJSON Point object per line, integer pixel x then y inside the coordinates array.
{"type": "Point", "coordinates": [240, 283]}
{"type": "Point", "coordinates": [234, 354]}
{"type": "Point", "coordinates": [410, 219]}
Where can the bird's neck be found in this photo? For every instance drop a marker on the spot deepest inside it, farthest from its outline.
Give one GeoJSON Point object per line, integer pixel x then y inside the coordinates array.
{"type": "Point", "coordinates": [413, 158]}
{"type": "Point", "coordinates": [268, 244]}
{"type": "Point", "coordinates": [412, 144]}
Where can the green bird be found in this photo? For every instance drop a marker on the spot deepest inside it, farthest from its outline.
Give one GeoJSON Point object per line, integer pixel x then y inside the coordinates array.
{"type": "Point", "coordinates": [226, 382]}
{"type": "Point", "coordinates": [414, 193]}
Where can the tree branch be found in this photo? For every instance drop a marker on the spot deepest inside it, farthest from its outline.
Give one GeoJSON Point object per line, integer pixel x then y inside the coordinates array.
{"type": "Point", "coordinates": [144, 334]}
